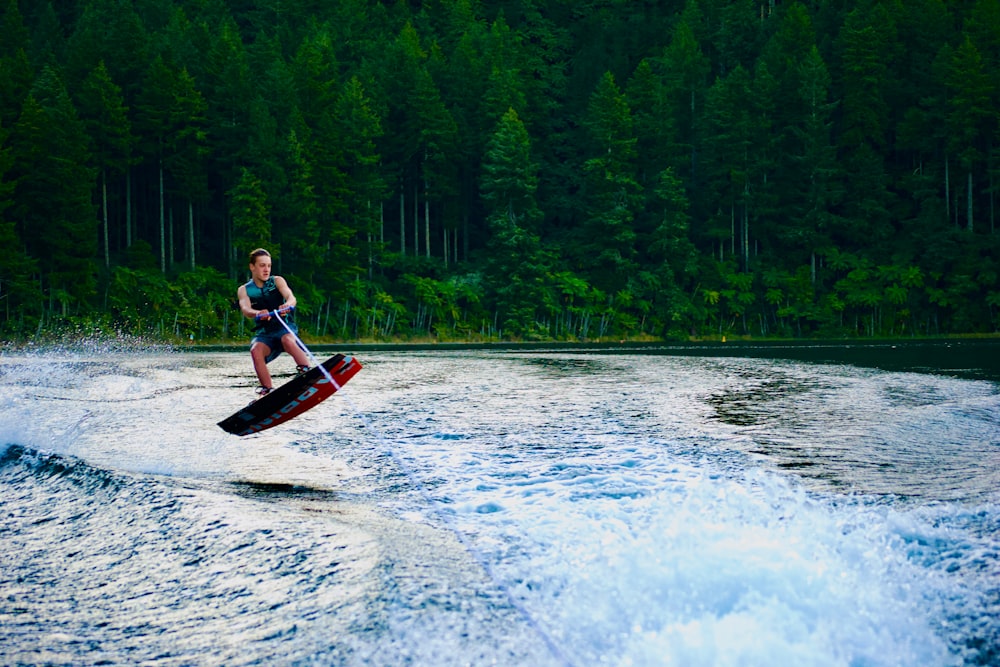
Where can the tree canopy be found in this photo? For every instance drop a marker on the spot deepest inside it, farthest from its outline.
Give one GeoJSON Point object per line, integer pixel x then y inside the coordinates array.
{"type": "Point", "coordinates": [538, 169]}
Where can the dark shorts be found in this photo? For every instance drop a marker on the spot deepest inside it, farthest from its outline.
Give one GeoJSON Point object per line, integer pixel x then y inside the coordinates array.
{"type": "Point", "coordinates": [273, 340]}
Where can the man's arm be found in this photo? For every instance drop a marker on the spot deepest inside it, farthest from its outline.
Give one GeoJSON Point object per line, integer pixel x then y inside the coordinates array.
{"type": "Point", "coordinates": [245, 307]}
{"type": "Point", "coordinates": [285, 291]}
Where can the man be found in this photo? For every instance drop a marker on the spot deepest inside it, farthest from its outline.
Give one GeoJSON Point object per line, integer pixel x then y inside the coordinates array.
{"type": "Point", "coordinates": [260, 296]}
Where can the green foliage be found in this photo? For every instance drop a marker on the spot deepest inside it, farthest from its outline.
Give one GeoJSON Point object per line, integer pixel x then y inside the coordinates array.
{"type": "Point", "coordinates": [613, 193]}
{"type": "Point", "coordinates": [195, 305]}
{"type": "Point", "coordinates": [52, 196]}
{"type": "Point", "coordinates": [475, 170]}
{"type": "Point", "coordinates": [251, 217]}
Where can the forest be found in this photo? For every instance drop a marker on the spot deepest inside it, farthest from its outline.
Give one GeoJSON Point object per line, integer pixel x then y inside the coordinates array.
{"type": "Point", "coordinates": [502, 170]}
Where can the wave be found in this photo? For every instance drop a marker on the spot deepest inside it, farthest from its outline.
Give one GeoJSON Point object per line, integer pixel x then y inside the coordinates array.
{"type": "Point", "coordinates": [100, 565]}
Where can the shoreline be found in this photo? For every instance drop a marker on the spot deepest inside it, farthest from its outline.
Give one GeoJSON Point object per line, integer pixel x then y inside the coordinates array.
{"type": "Point", "coordinates": [974, 358]}
{"type": "Point", "coordinates": [632, 346]}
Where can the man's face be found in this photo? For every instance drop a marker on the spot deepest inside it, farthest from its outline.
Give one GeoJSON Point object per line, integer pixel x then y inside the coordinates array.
{"type": "Point", "coordinates": [261, 268]}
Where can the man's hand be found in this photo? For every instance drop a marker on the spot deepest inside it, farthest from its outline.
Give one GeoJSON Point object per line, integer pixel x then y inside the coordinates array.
{"type": "Point", "coordinates": [285, 309]}
{"type": "Point", "coordinates": [262, 316]}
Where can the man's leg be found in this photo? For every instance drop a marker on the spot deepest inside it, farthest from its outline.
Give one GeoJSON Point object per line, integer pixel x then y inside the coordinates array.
{"type": "Point", "coordinates": [259, 352]}
{"type": "Point", "coordinates": [292, 348]}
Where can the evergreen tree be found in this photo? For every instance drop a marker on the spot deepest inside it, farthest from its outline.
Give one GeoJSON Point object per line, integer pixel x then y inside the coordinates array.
{"type": "Point", "coordinates": [983, 27]}
{"type": "Point", "coordinates": [551, 118]}
{"type": "Point", "coordinates": [436, 152]}
{"type": "Point", "coordinates": [818, 187]}
{"type": "Point", "coordinates": [229, 97]}
{"type": "Point", "coordinates": [921, 131]}
{"type": "Point", "coordinates": [300, 233]}
{"type": "Point", "coordinates": [105, 117]}
{"type": "Point", "coordinates": [360, 127]}
{"type": "Point", "coordinates": [109, 31]}
{"type": "Point", "coordinates": [504, 88]}
{"type": "Point", "coordinates": [740, 35]}
{"type": "Point", "coordinates": [251, 218]}
{"type": "Point", "coordinates": [465, 82]}
{"type": "Point", "coordinates": [833, 154]}
{"type": "Point", "coordinates": [48, 43]}
{"type": "Point", "coordinates": [16, 72]}
{"type": "Point", "coordinates": [14, 36]}
{"type": "Point", "coordinates": [654, 124]}
{"type": "Point", "coordinates": [510, 175]}
{"type": "Point", "coordinates": [685, 71]}
{"type": "Point", "coordinates": [397, 73]}
{"type": "Point", "coordinates": [516, 266]}
{"type": "Point", "coordinates": [865, 43]}
{"type": "Point", "coordinates": [971, 119]}
{"type": "Point", "coordinates": [672, 255]}
{"type": "Point", "coordinates": [322, 148]}
{"type": "Point", "coordinates": [608, 247]}
{"type": "Point", "coordinates": [53, 193]}
{"type": "Point", "coordinates": [171, 122]}
{"type": "Point", "coordinates": [729, 123]}
{"type": "Point", "coordinates": [18, 290]}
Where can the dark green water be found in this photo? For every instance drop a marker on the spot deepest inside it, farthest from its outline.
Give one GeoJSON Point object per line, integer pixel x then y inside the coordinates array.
{"type": "Point", "coordinates": [977, 359]}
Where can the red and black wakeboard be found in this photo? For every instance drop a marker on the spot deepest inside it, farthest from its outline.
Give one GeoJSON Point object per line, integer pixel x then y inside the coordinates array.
{"type": "Point", "coordinates": [291, 399]}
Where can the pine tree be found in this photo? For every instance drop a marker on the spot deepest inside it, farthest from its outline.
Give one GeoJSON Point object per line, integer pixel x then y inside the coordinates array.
{"type": "Point", "coordinates": [685, 71]}
{"type": "Point", "coordinates": [171, 121]}
{"type": "Point", "coordinates": [504, 87]}
{"type": "Point", "coordinates": [53, 194]}
{"type": "Point", "coordinates": [251, 218]}
{"type": "Point", "coordinates": [516, 267]}
{"type": "Point", "coordinates": [729, 126]}
{"type": "Point", "coordinates": [18, 290]}
{"type": "Point", "coordinates": [436, 152]}
{"type": "Point", "coordinates": [105, 116]}
{"type": "Point", "coordinates": [397, 73]}
{"type": "Point", "coordinates": [229, 97]}
{"type": "Point", "coordinates": [865, 43]}
{"type": "Point", "coordinates": [672, 255]}
{"type": "Point", "coordinates": [613, 194]}
{"type": "Point", "coordinates": [971, 119]}
{"type": "Point", "coordinates": [818, 187]}
{"type": "Point", "coordinates": [654, 125]}
{"type": "Point", "coordinates": [322, 149]}
{"type": "Point", "coordinates": [112, 32]}
{"type": "Point", "coordinates": [16, 72]}
{"type": "Point", "coordinates": [465, 81]}
{"type": "Point", "coordinates": [360, 127]}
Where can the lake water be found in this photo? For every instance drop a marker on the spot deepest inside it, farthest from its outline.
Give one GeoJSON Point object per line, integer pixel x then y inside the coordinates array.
{"type": "Point", "coordinates": [633, 506]}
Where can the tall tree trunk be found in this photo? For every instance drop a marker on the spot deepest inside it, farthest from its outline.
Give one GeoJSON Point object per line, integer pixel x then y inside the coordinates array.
{"type": "Point", "coordinates": [402, 220]}
{"type": "Point", "coordinates": [227, 252]}
{"type": "Point", "coordinates": [163, 234]}
{"type": "Point", "coordinates": [191, 248]}
{"type": "Point", "coordinates": [989, 170]}
{"type": "Point", "coordinates": [968, 204]}
{"type": "Point", "coordinates": [746, 226]}
{"type": "Point", "coordinates": [172, 255]}
{"type": "Point", "coordinates": [465, 236]}
{"type": "Point", "coordinates": [128, 208]}
{"type": "Point", "coordinates": [427, 221]}
{"type": "Point", "coordinates": [104, 211]}
{"type": "Point", "coordinates": [947, 187]}
{"type": "Point", "coordinates": [445, 246]}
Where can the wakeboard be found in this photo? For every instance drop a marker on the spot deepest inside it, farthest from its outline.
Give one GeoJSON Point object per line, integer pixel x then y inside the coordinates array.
{"type": "Point", "coordinates": [291, 399]}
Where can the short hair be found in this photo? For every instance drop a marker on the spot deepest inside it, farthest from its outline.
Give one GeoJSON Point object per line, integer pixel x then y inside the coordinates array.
{"type": "Point", "coordinates": [259, 252]}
